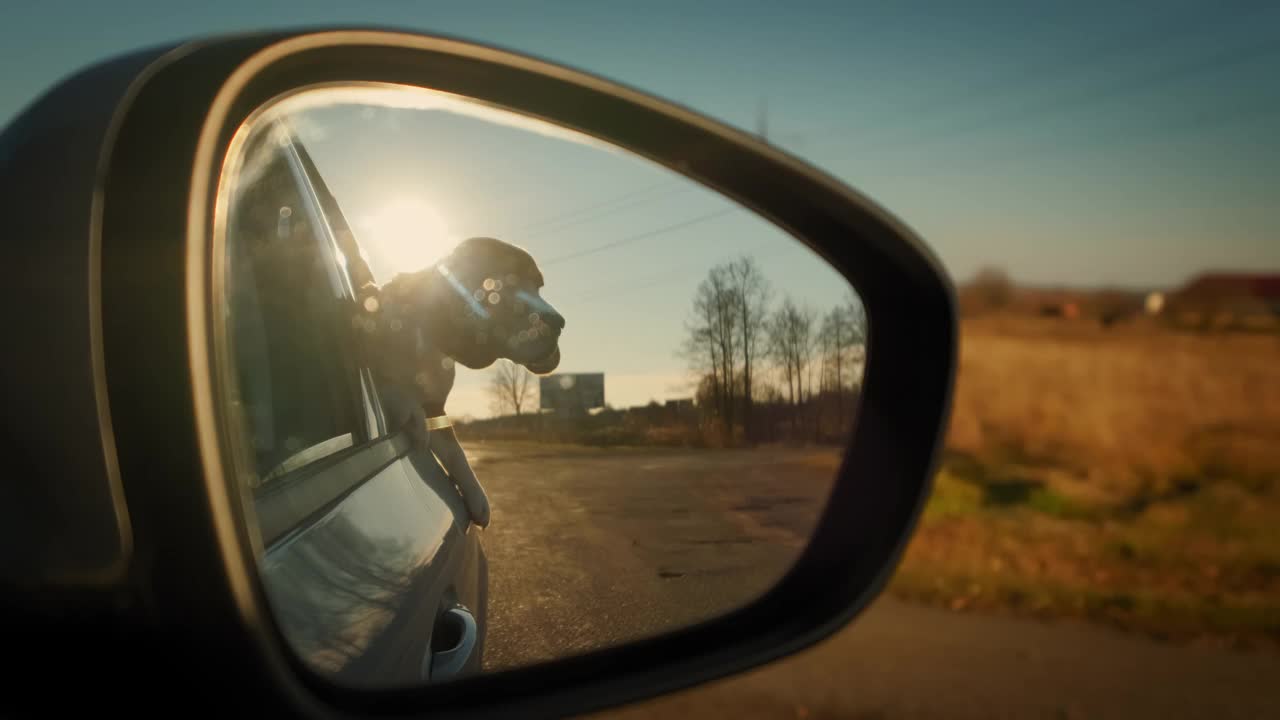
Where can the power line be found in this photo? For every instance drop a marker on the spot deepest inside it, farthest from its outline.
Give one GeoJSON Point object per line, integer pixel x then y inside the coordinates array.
{"type": "Point", "coordinates": [635, 198]}
{"type": "Point", "coordinates": [624, 198]}
{"type": "Point", "coordinates": [983, 92]}
{"type": "Point", "coordinates": [642, 236]}
{"type": "Point", "coordinates": [609, 211]}
{"type": "Point", "coordinates": [667, 278]}
{"type": "Point", "coordinates": [1195, 124]}
{"type": "Point", "coordinates": [1090, 98]}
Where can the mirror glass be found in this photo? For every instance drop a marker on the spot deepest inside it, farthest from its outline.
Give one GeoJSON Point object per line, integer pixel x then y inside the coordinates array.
{"type": "Point", "coordinates": [499, 393]}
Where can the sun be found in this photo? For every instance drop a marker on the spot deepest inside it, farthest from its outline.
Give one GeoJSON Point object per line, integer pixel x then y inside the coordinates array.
{"type": "Point", "coordinates": [406, 234]}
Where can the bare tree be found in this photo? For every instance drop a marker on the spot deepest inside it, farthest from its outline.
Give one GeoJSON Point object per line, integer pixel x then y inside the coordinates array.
{"type": "Point", "coordinates": [804, 341]}
{"type": "Point", "coordinates": [725, 337]}
{"type": "Point", "coordinates": [510, 387]}
{"type": "Point", "coordinates": [704, 362]}
{"type": "Point", "coordinates": [830, 336]}
{"type": "Point", "coordinates": [856, 314]}
{"type": "Point", "coordinates": [749, 294]}
{"type": "Point", "coordinates": [810, 361]}
{"type": "Point", "coordinates": [779, 348]}
{"type": "Point", "coordinates": [843, 329]}
{"type": "Point", "coordinates": [990, 289]}
{"type": "Point", "coordinates": [791, 341]}
{"type": "Point", "coordinates": [712, 339]}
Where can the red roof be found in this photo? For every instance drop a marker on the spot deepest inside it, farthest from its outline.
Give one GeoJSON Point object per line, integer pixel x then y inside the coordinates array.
{"type": "Point", "coordinates": [1256, 285]}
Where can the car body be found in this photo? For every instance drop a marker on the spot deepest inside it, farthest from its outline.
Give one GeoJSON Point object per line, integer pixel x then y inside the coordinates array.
{"type": "Point", "coordinates": [374, 570]}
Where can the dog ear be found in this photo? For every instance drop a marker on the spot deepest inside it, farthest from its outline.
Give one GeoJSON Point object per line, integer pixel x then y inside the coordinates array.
{"type": "Point", "coordinates": [488, 252]}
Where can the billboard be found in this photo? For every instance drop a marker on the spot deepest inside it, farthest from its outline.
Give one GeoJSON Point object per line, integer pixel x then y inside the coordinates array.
{"type": "Point", "coordinates": [571, 392]}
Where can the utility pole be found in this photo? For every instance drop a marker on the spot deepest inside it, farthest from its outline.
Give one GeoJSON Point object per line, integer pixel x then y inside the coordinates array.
{"type": "Point", "coordinates": [762, 119]}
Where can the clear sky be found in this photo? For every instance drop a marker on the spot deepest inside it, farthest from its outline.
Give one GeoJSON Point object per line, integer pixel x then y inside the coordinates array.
{"type": "Point", "coordinates": [1082, 143]}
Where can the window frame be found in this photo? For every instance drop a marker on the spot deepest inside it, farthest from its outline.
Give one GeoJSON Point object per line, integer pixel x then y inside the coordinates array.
{"type": "Point", "coordinates": [336, 228]}
{"type": "Point", "coordinates": [313, 460]}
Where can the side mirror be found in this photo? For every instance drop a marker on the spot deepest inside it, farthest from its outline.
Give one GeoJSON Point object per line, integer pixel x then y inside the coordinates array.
{"type": "Point", "coordinates": [193, 511]}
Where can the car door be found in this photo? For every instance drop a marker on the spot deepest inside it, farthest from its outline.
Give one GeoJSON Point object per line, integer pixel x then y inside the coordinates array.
{"type": "Point", "coordinates": [370, 560]}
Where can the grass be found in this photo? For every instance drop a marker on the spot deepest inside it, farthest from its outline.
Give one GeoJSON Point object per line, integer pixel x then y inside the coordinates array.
{"type": "Point", "coordinates": [1129, 476]}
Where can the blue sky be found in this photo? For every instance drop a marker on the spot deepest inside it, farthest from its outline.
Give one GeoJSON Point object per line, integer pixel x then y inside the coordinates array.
{"type": "Point", "coordinates": [1079, 143]}
{"type": "Point", "coordinates": [1072, 142]}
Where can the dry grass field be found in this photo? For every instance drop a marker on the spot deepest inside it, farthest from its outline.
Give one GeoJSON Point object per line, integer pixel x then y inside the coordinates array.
{"type": "Point", "coordinates": [1129, 475]}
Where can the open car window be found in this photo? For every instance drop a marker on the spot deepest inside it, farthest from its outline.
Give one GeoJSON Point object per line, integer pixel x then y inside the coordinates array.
{"type": "Point", "coordinates": [301, 393]}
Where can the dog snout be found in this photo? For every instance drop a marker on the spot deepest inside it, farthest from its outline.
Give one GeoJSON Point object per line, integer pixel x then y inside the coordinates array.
{"type": "Point", "coordinates": [554, 319]}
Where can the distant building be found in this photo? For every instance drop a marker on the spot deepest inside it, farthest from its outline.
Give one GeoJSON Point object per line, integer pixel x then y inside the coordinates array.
{"type": "Point", "coordinates": [679, 406]}
{"type": "Point", "coordinates": [666, 410]}
{"type": "Point", "coordinates": [1230, 298]}
{"type": "Point", "coordinates": [571, 393]}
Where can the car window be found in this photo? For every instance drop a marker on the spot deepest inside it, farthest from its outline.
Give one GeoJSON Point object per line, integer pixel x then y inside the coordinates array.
{"type": "Point", "coordinates": [301, 393]}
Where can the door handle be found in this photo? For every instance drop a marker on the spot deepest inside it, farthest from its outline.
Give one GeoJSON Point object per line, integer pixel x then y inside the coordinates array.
{"type": "Point", "coordinates": [453, 642]}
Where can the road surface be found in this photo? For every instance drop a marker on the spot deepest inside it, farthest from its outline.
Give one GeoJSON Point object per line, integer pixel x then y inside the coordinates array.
{"type": "Point", "coordinates": [900, 661]}
{"type": "Point", "coordinates": [591, 548]}
{"type": "Point", "coordinates": [596, 548]}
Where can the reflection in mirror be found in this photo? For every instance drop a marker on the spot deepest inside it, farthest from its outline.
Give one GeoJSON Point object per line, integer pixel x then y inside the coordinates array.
{"type": "Point", "coordinates": [499, 394]}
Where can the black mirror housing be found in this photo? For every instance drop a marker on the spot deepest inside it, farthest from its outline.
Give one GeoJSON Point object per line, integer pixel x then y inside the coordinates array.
{"type": "Point", "coordinates": [156, 564]}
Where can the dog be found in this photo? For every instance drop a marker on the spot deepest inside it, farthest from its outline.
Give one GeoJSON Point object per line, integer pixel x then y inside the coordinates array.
{"type": "Point", "coordinates": [481, 303]}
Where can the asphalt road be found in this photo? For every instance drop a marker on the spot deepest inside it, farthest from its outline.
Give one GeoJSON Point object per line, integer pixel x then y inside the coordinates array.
{"type": "Point", "coordinates": [591, 548]}
{"type": "Point", "coordinates": [901, 661]}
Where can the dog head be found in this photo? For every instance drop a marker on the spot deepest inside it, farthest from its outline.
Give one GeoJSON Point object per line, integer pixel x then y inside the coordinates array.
{"type": "Point", "coordinates": [484, 302]}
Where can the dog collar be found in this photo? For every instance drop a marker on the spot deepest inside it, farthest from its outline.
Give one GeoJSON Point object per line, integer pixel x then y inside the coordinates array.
{"type": "Point", "coordinates": [439, 422]}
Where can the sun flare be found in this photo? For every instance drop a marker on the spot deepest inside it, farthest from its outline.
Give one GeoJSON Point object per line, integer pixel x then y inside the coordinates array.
{"type": "Point", "coordinates": [407, 234]}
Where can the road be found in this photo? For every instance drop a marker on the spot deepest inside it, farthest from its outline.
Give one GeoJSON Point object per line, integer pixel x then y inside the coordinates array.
{"type": "Point", "coordinates": [595, 548]}
{"type": "Point", "coordinates": [901, 661]}
{"type": "Point", "coordinates": [592, 548]}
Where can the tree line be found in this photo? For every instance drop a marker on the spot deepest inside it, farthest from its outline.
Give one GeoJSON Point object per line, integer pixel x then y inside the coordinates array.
{"type": "Point", "coordinates": [767, 366]}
